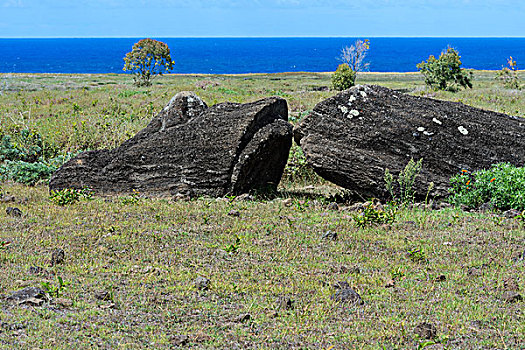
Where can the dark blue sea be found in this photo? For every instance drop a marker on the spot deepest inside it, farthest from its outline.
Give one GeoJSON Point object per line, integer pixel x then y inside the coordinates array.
{"type": "Point", "coordinates": [250, 55]}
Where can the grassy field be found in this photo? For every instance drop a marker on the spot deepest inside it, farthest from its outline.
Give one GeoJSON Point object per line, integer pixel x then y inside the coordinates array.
{"type": "Point", "coordinates": [227, 273]}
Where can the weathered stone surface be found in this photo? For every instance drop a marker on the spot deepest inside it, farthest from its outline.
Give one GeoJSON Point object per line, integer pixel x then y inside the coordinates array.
{"type": "Point", "coordinates": [193, 150]}
{"type": "Point", "coordinates": [351, 138]}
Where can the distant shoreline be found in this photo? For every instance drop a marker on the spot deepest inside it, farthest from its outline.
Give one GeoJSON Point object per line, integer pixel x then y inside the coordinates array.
{"type": "Point", "coordinates": [241, 74]}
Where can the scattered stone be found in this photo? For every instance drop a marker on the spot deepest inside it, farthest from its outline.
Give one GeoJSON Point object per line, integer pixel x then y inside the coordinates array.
{"type": "Point", "coordinates": [180, 197]}
{"type": "Point", "coordinates": [287, 202]}
{"type": "Point", "coordinates": [390, 284]}
{"type": "Point", "coordinates": [7, 199]}
{"type": "Point", "coordinates": [285, 303]}
{"type": "Point", "coordinates": [345, 294]}
{"type": "Point", "coordinates": [63, 302]}
{"type": "Point", "coordinates": [11, 326]}
{"type": "Point", "coordinates": [511, 213]}
{"type": "Point", "coordinates": [474, 271]}
{"type": "Point", "coordinates": [30, 295]}
{"type": "Point", "coordinates": [511, 297]}
{"type": "Point", "coordinates": [356, 207]}
{"type": "Point", "coordinates": [443, 205]}
{"type": "Point", "coordinates": [57, 257]}
{"type": "Point", "coordinates": [329, 235]}
{"type": "Point", "coordinates": [202, 283]}
{"type": "Point", "coordinates": [441, 278]}
{"type": "Point", "coordinates": [426, 330]}
{"type": "Point", "coordinates": [348, 295]}
{"type": "Point", "coordinates": [36, 270]}
{"type": "Point", "coordinates": [245, 197]}
{"type": "Point", "coordinates": [13, 211]}
{"type": "Point", "coordinates": [103, 295]}
{"type": "Point", "coordinates": [180, 340]}
{"type": "Point", "coordinates": [510, 284]}
{"type": "Point", "coordinates": [341, 285]}
{"type": "Point", "coordinates": [352, 137]}
{"type": "Point", "coordinates": [333, 206]}
{"type": "Point", "coordinates": [486, 207]}
{"type": "Point", "coordinates": [519, 257]}
{"type": "Point", "coordinates": [234, 213]}
{"type": "Point", "coordinates": [192, 150]}
{"type": "Point", "coordinates": [354, 269]}
{"type": "Point", "coordinates": [243, 318]}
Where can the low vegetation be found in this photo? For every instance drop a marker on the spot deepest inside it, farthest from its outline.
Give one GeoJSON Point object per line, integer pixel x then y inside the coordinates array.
{"type": "Point", "coordinates": [254, 272]}
{"type": "Point", "coordinates": [353, 61]}
{"type": "Point", "coordinates": [500, 187]}
{"type": "Point", "coordinates": [445, 72]}
{"type": "Point", "coordinates": [508, 75]}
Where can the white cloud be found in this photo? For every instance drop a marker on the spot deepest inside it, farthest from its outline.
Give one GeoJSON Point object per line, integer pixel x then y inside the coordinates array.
{"type": "Point", "coordinates": [12, 3]}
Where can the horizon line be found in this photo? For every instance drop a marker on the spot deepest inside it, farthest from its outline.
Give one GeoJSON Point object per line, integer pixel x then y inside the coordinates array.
{"type": "Point", "coordinates": [266, 37]}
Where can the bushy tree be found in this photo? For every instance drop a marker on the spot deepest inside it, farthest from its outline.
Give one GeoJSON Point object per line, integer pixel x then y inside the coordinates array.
{"type": "Point", "coordinates": [147, 59]}
{"type": "Point", "coordinates": [445, 72]}
{"type": "Point", "coordinates": [509, 75]}
{"type": "Point", "coordinates": [343, 78]}
{"type": "Point", "coordinates": [353, 58]}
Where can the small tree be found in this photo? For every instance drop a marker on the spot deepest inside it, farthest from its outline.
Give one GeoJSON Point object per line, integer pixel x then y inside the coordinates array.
{"type": "Point", "coordinates": [353, 59]}
{"type": "Point", "coordinates": [343, 78]}
{"type": "Point", "coordinates": [445, 72]}
{"type": "Point", "coordinates": [509, 75]}
{"type": "Point", "coordinates": [147, 59]}
{"type": "Point", "coordinates": [355, 55]}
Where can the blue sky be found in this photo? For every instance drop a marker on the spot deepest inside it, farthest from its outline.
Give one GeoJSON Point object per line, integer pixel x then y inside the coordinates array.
{"type": "Point", "coordinates": [214, 18]}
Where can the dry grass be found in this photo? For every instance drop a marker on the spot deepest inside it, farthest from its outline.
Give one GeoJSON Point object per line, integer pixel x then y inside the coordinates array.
{"type": "Point", "coordinates": [447, 267]}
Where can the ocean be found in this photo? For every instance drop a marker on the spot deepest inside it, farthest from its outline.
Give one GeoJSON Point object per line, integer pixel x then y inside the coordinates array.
{"type": "Point", "coordinates": [250, 55]}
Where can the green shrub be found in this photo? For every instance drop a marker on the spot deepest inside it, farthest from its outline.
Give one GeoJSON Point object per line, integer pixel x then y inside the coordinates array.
{"type": "Point", "coordinates": [24, 172]}
{"type": "Point", "coordinates": [24, 145]}
{"type": "Point", "coordinates": [403, 192]}
{"type": "Point", "coordinates": [375, 215]}
{"type": "Point", "coordinates": [69, 196]}
{"type": "Point", "coordinates": [503, 186]}
{"type": "Point", "coordinates": [297, 169]}
{"type": "Point", "coordinates": [31, 173]}
{"type": "Point", "coordinates": [445, 72]}
{"type": "Point", "coordinates": [509, 75]}
{"type": "Point", "coordinates": [343, 78]}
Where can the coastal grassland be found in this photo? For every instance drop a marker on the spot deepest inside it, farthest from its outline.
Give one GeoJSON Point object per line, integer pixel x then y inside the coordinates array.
{"type": "Point", "coordinates": [447, 267]}
{"type": "Point", "coordinates": [131, 262]}
{"type": "Point", "coordinates": [89, 111]}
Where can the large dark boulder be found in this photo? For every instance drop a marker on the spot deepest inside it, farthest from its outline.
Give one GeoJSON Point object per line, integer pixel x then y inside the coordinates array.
{"type": "Point", "coordinates": [191, 149]}
{"type": "Point", "coordinates": [351, 138]}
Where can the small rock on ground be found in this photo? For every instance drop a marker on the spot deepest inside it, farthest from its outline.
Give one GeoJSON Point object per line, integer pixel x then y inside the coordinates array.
{"type": "Point", "coordinates": [63, 302]}
{"type": "Point", "coordinates": [234, 213]}
{"type": "Point", "coordinates": [425, 330]}
{"type": "Point", "coordinates": [285, 303]}
{"type": "Point", "coordinates": [202, 283]}
{"type": "Point", "coordinates": [13, 211]}
{"type": "Point", "coordinates": [35, 270]}
{"type": "Point", "coordinates": [333, 206]}
{"type": "Point", "coordinates": [32, 295]}
{"type": "Point", "coordinates": [511, 213]}
{"type": "Point", "coordinates": [511, 297]}
{"type": "Point", "coordinates": [180, 340]}
{"type": "Point", "coordinates": [103, 295]}
{"type": "Point", "coordinates": [345, 294]}
{"type": "Point", "coordinates": [329, 235]}
{"type": "Point", "coordinates": [243, 318]}
{"type": "Point", "coordinates": [7, 199]}
{"type": "Point", "coordinates": [245, 197]}
{"type": "Point", "coordinates": [57, 257]}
